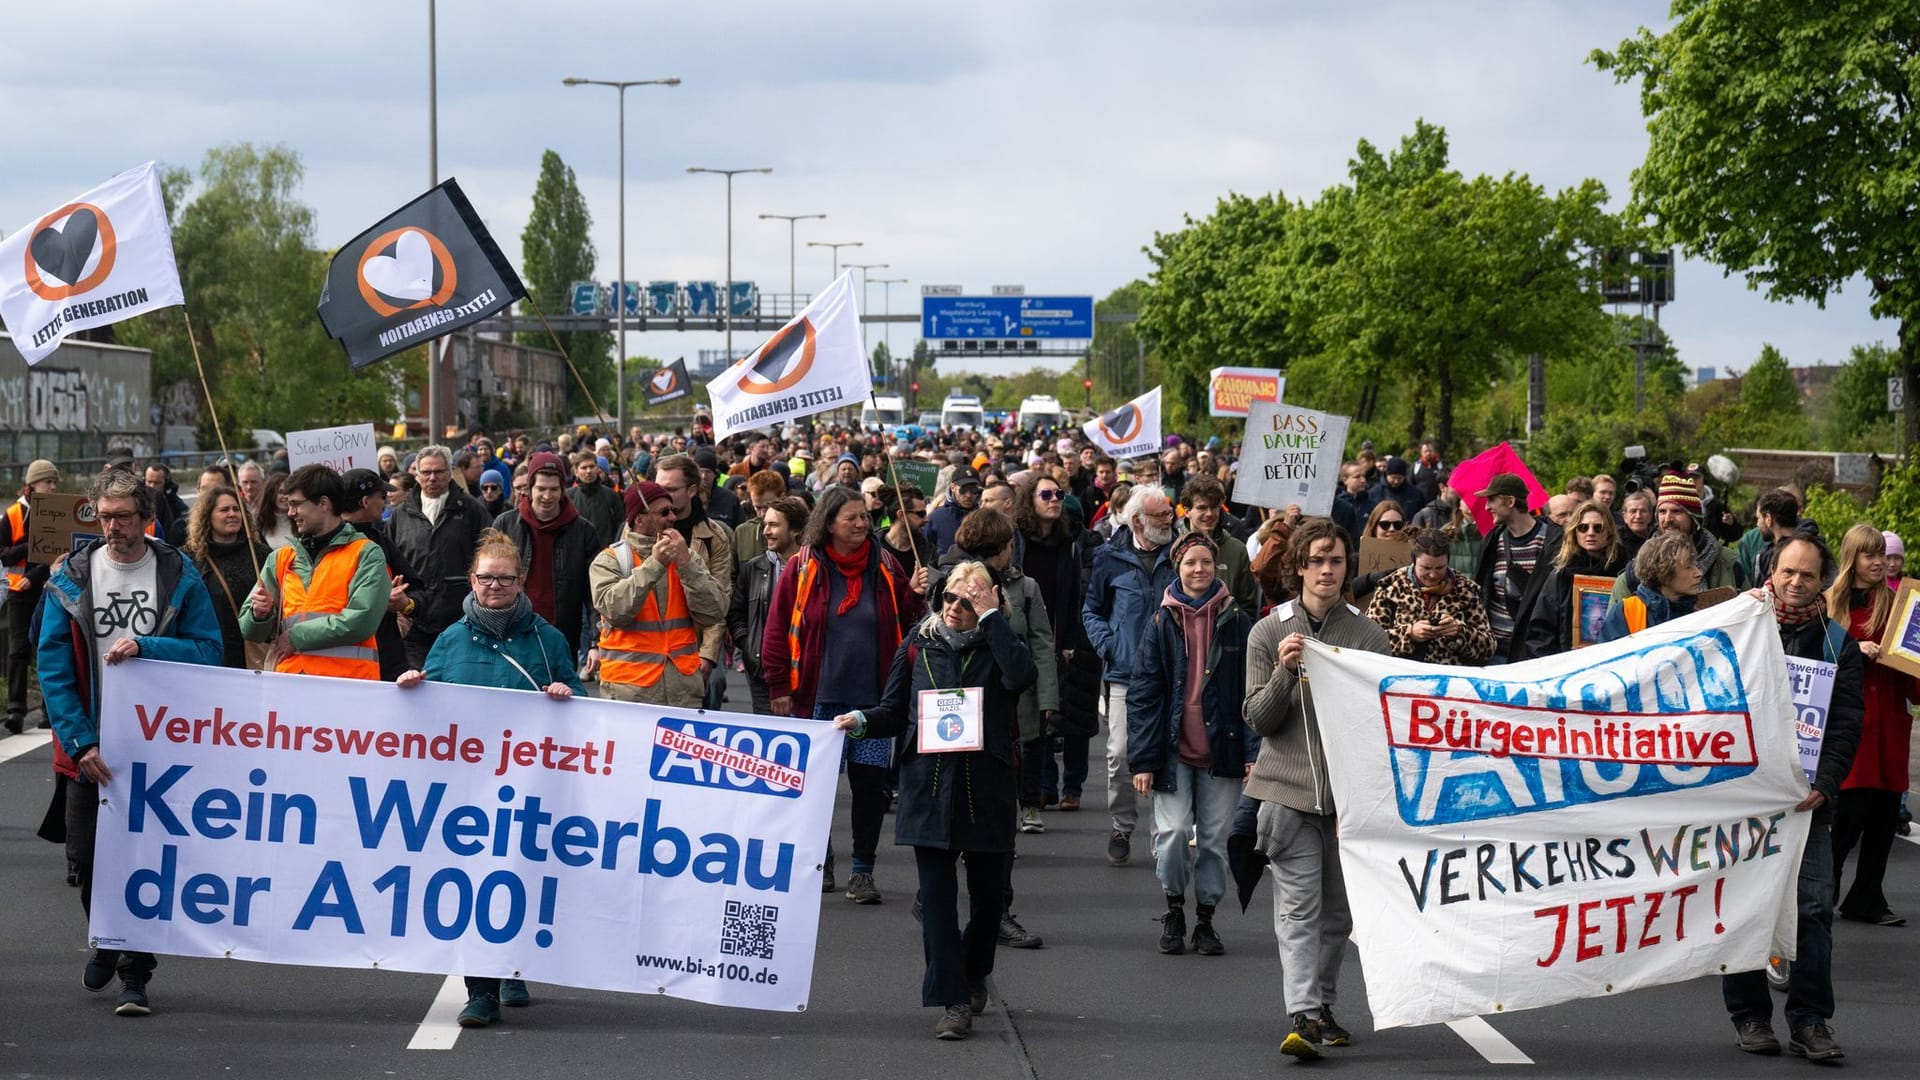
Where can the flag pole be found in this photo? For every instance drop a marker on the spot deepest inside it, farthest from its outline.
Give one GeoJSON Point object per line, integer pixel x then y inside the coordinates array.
{"type": "Point", "coordinates": [618, 373]}
{"type": "Point", "coordinates": [894, 472]}
{"type": "Point", "coordinates": [219, 434]}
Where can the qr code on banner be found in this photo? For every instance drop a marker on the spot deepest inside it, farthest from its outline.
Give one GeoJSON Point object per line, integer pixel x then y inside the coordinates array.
{"type": "Point", "coordinates": [748, 930]}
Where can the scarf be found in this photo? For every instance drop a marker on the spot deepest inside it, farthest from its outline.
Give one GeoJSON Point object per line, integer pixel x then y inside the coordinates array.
{"type": "Point", "coordinates": [960, 640]}
{"type": "Point", "coordinates": [1430, 592]}
{"type": "Point", "coordinates": [1789, 615]}
{"type": "Point", "coordinates": [852, 567]}
{"type": "Point", "coordinates": [496, 622]}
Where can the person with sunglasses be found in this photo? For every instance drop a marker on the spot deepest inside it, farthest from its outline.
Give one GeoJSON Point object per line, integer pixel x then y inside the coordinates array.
{"type": "Point", "coordinates": [1431, 612]}
{"type": "Point", "coordinates": [1590, 548]}
{"type": "Point", "coordinates": [655, 596]}
{"type": "Point", "coordinates": [1055, 558]}
{"type": "Point", "coordinates": [1387, 521]}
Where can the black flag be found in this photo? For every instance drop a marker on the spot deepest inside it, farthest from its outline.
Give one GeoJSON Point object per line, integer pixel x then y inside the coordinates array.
{"type": "Point", "coordinates": [668, 383]}
{"type": "Point", "coordinates": [427, 269]}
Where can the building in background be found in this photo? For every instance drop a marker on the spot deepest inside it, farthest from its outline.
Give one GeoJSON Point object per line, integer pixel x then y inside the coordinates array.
{"type": "Point", "coordinates": [86, 400]}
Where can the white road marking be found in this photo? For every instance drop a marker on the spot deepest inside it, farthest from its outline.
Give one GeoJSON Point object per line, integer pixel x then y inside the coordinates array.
{"type": "Point", "coordinates": [1490, 1043]}
{"type": "Point", "coordinates": [13, 746]}
{"type": "Point", "coordinates": [441, 1028]}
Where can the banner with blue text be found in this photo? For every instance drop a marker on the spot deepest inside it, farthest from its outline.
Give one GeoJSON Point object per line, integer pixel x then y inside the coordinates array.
{"type": "Point", "coordinates": [1570, 827]}
{"type": "Point", "coordinates": [338, 823]}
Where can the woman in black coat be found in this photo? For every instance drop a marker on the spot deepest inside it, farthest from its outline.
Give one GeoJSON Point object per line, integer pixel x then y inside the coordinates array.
{"type": "Point", "coordinates": [1055, 555]}
{"type": "Point", "coordinates": [228, 560]}
{"type": "Point", "coordinates": [957, 801]}
{"type": "Point", "coordinates": [1591, 547]}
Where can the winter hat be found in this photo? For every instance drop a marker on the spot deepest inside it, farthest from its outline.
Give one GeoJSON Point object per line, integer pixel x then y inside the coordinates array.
{"type": "Point", "coordinates": [642, 495]}
{"type": "Point", "coordinates": [1681, 491]}
{"type": "Point", "coordinates": [1894, 544]}
{"type": "Point", "coordinates": [42, 469]}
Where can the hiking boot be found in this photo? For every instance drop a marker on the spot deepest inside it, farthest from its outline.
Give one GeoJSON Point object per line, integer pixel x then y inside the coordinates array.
{"type": "Point", "coordinates": [1173, 931]}
{"type": "Point", "coordinates": [133, 999]}
{"type": "Point", "coordinates": [513, 993]}
{"type": "Point", "coordinates": [1069, 803]}
{"type": "Point", "coordinates": [956, 1022]}
{"type": "Point", "coordinates": [1030, 820]}
{"type": "Point", "coordinates": [827, 884]}
{"type": "Point", "coordinates": [1755, 1037]}
{"type": "Point", "coordinates": [862, 890]}
{"type": "Point", "coordinates": [977, 997]}
{"type": "Point", "coordinates": [481, 1010]}
{"type": "Point", "coordinates": [1815, 1043]}
{"type": "Point", "coordinates": [1304, 1040]}
{"type": "Point", "coordinates": [1119, 848]}
{"type": "Point", "coordinates": [1015, 936]}
{"type": "Point", "coordinates": [100, 969]}
{"type": "Point", "coordinates": [1330, 1030]}
{"type": "Point", "coordinates": [1205, 941]}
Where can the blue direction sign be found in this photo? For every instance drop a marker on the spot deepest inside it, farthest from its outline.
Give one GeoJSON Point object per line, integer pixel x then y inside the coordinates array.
{"type": "Point", "coordinates": [1004, 318]}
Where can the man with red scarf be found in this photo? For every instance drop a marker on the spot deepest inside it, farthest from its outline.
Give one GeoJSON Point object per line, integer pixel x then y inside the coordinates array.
{"type": "Point", "coordinates": [556, 543]}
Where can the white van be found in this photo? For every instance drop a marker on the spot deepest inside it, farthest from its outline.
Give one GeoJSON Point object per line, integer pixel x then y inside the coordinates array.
{"type": "Point", "coordinates": [962, 412]}
{"type": "Point", "coordinates": [1042, 410]}
{"type": "Point", "coordinates": [884, 411]}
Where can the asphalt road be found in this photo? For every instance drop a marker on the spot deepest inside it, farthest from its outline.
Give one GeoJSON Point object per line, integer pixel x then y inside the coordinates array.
{"type": "Point", "coordinates": [1098, 1002]}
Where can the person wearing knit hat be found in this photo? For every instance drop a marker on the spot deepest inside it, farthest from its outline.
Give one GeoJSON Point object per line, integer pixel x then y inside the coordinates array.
{"type": "Point", "coordinates": [1677, 508]}
{"type": "Point", "coordinates": [23, 585]}
{"type": "Point", "coordinates": [654, 596]}
{"type": "Point", "coordinates": [1896, 558]}
{"type": "Point", "coordinates": [1677, 494]}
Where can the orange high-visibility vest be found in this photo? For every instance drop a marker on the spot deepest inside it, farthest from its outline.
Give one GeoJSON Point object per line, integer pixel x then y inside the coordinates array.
{"type": "Point", "coordinates": [1634, 610]}
{"type": "Point", "coordinates": [638, 653]}
{"type": "Point", "coordinates": [327, 594]}
{"type": "Point", "coordinates": [17, 572]}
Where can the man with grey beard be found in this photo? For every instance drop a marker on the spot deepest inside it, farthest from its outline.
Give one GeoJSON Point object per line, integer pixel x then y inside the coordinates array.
{"type": "Point", "coordinates": [1130, 574]}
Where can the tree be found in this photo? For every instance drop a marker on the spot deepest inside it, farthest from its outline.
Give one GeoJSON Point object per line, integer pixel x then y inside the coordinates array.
{"type": "Point", "coordinates": [1854, 414]}
{"type": "Point", "coordinates": [555, 252]}
{"type": "Point", "coordinates": [1781, 147]}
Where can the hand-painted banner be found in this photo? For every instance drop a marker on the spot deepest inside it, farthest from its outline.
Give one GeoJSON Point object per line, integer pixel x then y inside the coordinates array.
{"type": "Point", "coordinates": [1290, 455]}
{"type": "Point", "coordinates": [1570, 827]}
{"type": "Point", "coordinates": [336, 823]}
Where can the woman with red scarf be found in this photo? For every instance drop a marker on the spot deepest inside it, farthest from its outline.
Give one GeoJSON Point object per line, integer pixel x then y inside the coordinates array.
{"type": "Point", "coordinates": [848, 603]}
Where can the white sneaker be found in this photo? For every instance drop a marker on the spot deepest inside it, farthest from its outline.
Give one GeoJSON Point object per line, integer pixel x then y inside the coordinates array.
{"type": "Point", "coordinates": [1030, 820]}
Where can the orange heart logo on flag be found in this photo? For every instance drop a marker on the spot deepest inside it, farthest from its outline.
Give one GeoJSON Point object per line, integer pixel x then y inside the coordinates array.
{"type": "Point", "coordinates": [1123, 424]}
{"type": "Point", "coordinates": [784, 360]}
{"type": "Point", "coordinates": [398, 269]}
{"type": "Point", "coordinates": [663, 380]}
{"type": "Point", "coordinates": [63, 245]}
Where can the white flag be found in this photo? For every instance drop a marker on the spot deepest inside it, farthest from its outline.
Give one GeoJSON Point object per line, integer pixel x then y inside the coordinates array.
{"type": "Point", "coordinates": [1130, 431]}
{"type": "Point", "coordinates": [101, 258]}
{"type": "Point", "coordinates": [814, 364]}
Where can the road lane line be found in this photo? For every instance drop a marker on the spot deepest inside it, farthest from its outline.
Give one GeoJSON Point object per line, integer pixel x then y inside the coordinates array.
{"type": "Point", "coordinates": [441, 1027]}
{"type": "Point", "coordinates": [14, 746]}
{"type": "Point", "coordinates": [1490, 1043]}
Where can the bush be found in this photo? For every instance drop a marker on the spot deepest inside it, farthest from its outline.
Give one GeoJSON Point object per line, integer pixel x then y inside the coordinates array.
{"type": "Point", "coordinates": [1834, 511]}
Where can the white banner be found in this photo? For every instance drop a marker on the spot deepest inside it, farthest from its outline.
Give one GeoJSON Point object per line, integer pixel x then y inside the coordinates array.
{"type": "Point", "coordinates": [101, 258]}
{"type": "Point", "coordinates": [1290, 455]}
{"type": "Point", "coordinates": [347, 447]}
{"type": "Point", "coordinates": [811, 365]}
{"type": "Point", "coordinates": [338, 823]}
{"type": "Point", "coordinates": [1130, 431]}
{"type": "Point", "coordinates": [1571, 827]}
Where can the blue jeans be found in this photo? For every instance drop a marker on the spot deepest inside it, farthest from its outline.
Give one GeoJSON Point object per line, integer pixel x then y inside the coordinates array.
{"type": "Point", "coordinates": [1810, 979]}
{"type": "Point", "coordinates": [1203, 804]}
{"type": "Point", "coordinates": [1068, 775]}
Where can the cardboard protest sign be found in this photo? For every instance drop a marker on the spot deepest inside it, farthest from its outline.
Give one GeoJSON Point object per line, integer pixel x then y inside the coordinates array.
{"type": "Point", "coordinates": [1569, 827]}
{"type": "Point", "coordinates": [341, 448]}
{"type": "Point", "coordinates": [340, 823]}
{"type": "Point", "coordinates": [1382, 553]}
{"type": "Point", "coordinates": [58, 523]}
{"type": "Point", "coordinates": [1290, 455]}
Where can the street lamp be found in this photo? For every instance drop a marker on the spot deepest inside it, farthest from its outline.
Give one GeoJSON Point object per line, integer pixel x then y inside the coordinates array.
{"type": "Point", "coordinates": [793, 292]}
{"type": "Point", "coordinates": [836, 253]}
{"type": "Point", "coordinates": [886, 309]}
{"type": "Point", "coordinates": [863, 268]}
{"type": "Point", "coordinates": [620, 291]}
{"type": "Point", "coordinates": [728, 303]}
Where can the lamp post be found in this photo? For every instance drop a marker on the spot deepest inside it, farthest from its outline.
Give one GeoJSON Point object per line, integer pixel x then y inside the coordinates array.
{"type": "Point", "coordinates": [434, 433]}
{"type": "Point", "coordinates": [620, 291]}
{"type": "Point", "coordinates": [863, 268]}
{"type": "Point", "coordinates": [728, 302]}
{"type": "Point", "coordinates": [793, 291]}
{"type": "Point", "coordinates": [836, 253]}
{"type": "Point", "coordinates": [886, 309]}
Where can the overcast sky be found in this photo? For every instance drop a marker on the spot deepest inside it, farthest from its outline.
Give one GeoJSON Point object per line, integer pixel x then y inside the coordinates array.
{"type": "Point", "coordinates": [1034, 142]}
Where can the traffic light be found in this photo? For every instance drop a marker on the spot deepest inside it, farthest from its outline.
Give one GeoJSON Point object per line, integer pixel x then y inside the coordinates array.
{"type": "Point", "coordinates": [916, 388]}
{"type": "Point", "coordinates": [1088, 383]}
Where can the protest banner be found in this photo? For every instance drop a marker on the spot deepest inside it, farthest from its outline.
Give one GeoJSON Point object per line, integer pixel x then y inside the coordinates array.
{"type": "Point", "coordinates": [924, 475]}
{"type": "Point", "coordinates": [669, 383]}
{"type": "Point", "coordinates": [1570, 827]}
{"type": "Point", "coordinates": [1290, 455]}
{"type": "Point", "coordinates": [812, 365]}
{"type": "Point", "coordinates": [1379, 553]}
{"type": "Point", "coordinates": [1130, 431]}
{"type": "Point", "coordinates": [341, 448]}
{"type": "Point", "coordinates": [1231, 391]}
{"type": "Point", "coordinates": [455, 829]}
{"type": "Point", "coordinates": [57, 524]}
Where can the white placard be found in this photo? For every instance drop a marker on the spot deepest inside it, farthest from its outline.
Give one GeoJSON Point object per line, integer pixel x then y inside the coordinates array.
{"type": "Point", "coordinates": [949, 720]}
{"type": "Point", "coordinates": [1290, 455]}
{"type": "Point", "coordinates": [349, 446]}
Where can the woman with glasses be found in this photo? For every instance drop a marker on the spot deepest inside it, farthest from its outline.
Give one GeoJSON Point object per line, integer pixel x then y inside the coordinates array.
{"type": "Point", "coordinates": [1387, 522]}
{"type": "Point", "coordinates": [1056, 555]}
{"type": "Point", "coordinates": [1431, 612]}
{"type": "Point", "coordinates": [962, 800]}
{"type": "Point", "coordinates": [1590, 547]}
{"type": "Point", "coordinates": [499, 641]}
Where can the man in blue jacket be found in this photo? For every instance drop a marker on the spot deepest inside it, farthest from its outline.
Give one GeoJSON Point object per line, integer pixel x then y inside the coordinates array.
{"type": "Point", "coordinates": [122, 596]}
{"type": "Point", "coordinates": [1130, 574]}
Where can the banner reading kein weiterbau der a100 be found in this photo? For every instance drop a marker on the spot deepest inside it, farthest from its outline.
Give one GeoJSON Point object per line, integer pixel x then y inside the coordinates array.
{"type": "Point", "coordinates": [453, 829]}
{"type": "Point", "coordinates": [1571, 827]}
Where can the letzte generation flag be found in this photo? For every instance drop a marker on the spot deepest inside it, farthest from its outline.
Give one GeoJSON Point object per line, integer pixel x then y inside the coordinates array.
{"type": "Point", "coordinates": [813, 364]}
{"type": "Point", "coordinates": [101, 258]}
{"type": "Point", "coordinates": [1130, 431]}
{"type": "Point", "coordinates": [426, 270]}
{"type": "Point", "coordinates": [670, 383]}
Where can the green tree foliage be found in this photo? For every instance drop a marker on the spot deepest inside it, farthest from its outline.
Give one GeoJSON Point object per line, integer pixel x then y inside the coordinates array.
{"type": "Point", "coordinates": [1834, 511]}
{"type": "Point", "coordinates": [1853, 415]}
{"type": "Point", "coordinates": [1766, 411]}
{"type": "Point", "coordinates": [555, 252]}
{"type": "Point", "coordinates": [1782, 147]}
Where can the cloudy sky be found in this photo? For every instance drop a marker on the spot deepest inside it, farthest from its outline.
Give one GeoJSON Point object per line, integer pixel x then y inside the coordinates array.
{"type": "Point", "coordinates": [1038, 142]}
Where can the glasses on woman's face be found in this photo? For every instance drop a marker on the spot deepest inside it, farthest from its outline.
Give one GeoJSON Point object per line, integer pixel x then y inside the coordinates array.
{"type": "Point", "coordinates": [1590, 527]}
{"type": "Point", "coordinates": [495, 581]}
{"type": "Point", "coordinates": [1048, 495]}
{"type": "Point", "coordinates": [1390, 524]}
{"type": "Point", "coordinates": [948, 599]}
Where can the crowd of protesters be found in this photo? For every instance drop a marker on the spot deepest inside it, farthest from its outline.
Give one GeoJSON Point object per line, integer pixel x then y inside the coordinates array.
{"type": "Point", "coordinates": [1084, 595]}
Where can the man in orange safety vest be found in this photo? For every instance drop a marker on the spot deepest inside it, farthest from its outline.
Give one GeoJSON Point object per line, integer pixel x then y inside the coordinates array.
{"type": "Point", "coordinates": [654, 595]}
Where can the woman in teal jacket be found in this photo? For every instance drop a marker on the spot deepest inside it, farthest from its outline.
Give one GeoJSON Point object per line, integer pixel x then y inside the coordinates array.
{"type": "Point", "coordinates": [499, 641]}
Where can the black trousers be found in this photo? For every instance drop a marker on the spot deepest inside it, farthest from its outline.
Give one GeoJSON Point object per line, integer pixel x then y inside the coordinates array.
{"type": "Point", "coordinates": [958, 958]}
{"type": "Point", "coordinates": [83, 817]}
{"type": "Point", "coordinates": [869, 785]}
{"type": "Point", "coordinates": [19, 652]}
{"type": "Point", "coordinates": [1868, 818]}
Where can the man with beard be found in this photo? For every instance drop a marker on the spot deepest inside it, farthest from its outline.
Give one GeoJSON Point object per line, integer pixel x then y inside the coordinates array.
{"type": "Point", "coordinates": [320, 599]}
{"type": "Point", "coordinates": [595, 499]}
{"type": "Point", "coordinates": [556, 544]}
{"type": "Point", "coordinates": [679, 475]}
{"type": "Point", "coordinates": [1677, 509]}
{"type": "Point", "coordinates": [656, 601]}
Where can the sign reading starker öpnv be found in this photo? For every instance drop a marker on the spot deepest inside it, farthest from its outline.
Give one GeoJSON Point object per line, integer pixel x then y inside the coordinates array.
{"type": "Point", "coordinates": [340, 823]}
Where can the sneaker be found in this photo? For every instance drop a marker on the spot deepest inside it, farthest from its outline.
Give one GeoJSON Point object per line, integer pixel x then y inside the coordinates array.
{"type": "Point", "coordinates": [481, 1010]}
{"type": "Point", "coordinates": [1030, 820]}
{"type": "Point", "coordinates": [862, 890]}
{"type": "Point", "coordinates": [1173, 931]}
{"type": "Point", "coordinates": [1777, 971]}
{"type": "Point", "coordinates": [1815, 1043]}
{"type": "Point", "coordinates": [1119, 848]}
{"type": "Point", "coordinates": [1755, 1037]}
{"type": "Point", "coordinates": [133, 1000]}
{"type": "Point", "coordinates": [1304, 1040]}
{"type": "Point", "coordinates": [100, 969]}
{"type": "Point", "coordinates": [1205, 941]}
{"type": "Point", "coordinates": [513, 993]}
{"type": "Point", "coordinates": [954, 1023]}
{"type": "Point", "coordinates": [16, 724]}
{"type": "Point", "coordinates": [977, 997]}
{"type": "Point", "coordinates": [1331, 1031]}
{"type": "Point", "coordinates": [1069, 803]}
{"type": "Point", "coordinates": [827, 884]}
{"type": "Point", "coordinates": [1015, 936]}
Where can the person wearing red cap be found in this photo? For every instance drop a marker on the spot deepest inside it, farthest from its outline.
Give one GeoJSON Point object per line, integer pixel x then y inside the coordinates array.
{"type": "Point", "coordinates": [655, 597]}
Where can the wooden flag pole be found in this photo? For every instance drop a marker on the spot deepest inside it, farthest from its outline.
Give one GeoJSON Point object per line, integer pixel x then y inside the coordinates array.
{"type": "Point", "coordinates": [246, 514]}
{"type": "Point", "coordinates": [894, 472]}
{"type": "Point", "coordinates": [618, 368]}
